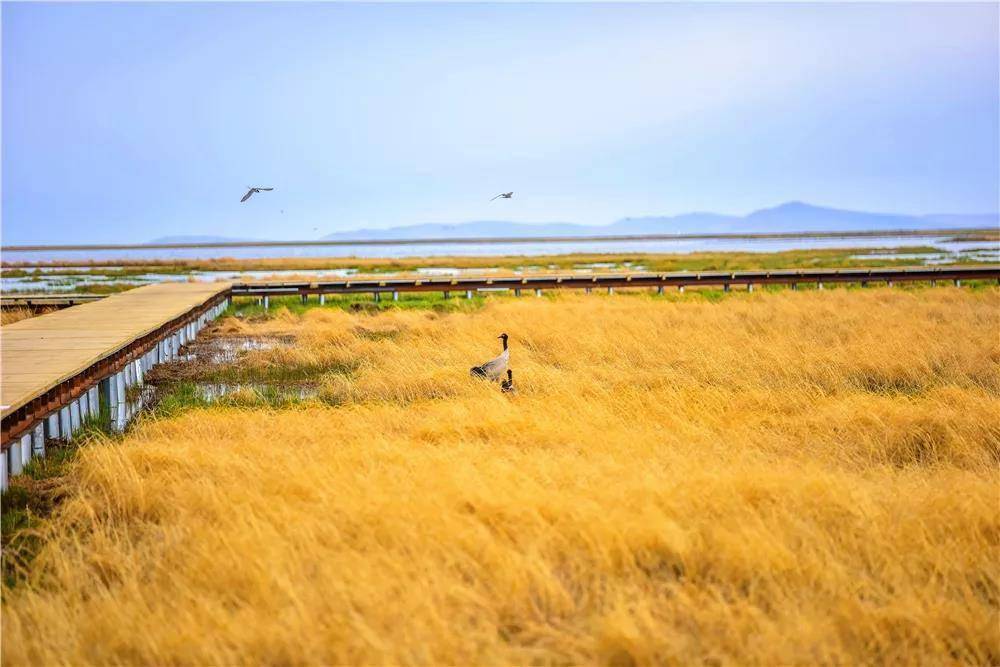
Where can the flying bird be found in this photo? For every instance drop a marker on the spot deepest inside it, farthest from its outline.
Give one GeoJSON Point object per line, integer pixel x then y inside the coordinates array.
{"type": "Point", "coordinates": [253, 190]}
{"type": "Point", "coordinates": [493, 369]}
{"type": "Point", "coordinates": [504, 195]}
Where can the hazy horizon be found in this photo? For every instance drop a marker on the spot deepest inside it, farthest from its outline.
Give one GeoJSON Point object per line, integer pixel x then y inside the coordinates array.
{"type": "Point", "coordinates": [124, 122]}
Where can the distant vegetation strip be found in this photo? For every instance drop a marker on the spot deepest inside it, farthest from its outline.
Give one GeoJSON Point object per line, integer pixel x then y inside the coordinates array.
{"type": "Point", "coordinates": [700, 261]}
{"type": "Point", "coordinates": [496, 240]}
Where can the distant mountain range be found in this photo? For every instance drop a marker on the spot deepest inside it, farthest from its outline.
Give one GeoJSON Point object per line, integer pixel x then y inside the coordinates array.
{"type": "Point", "coordinates": [786, 218]}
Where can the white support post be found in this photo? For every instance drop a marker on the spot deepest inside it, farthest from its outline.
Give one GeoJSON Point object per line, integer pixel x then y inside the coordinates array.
{"type": "Point", "coordinates": [680, 288]}
{"type": "Point", "coordinates": [38, 440]}
{"type": "Point", "coordinates": [84, 402]}
{"type": "Point", "coordinates": [749, 287]}
{"type": "Point", "coordinates": [3, 472]}
{"type": "Point", "coordinates": [395, 296]}
{"type": "Point", "coordinates": [118, 406]}
{"type": "Point", "coordinates": [52, 426]}
{"type": "Point", "coordinates": [538, 292]}
{"type": "Point", "coordinates": [819, 286]}
{"type": "Point", "coordinates": [611, 290]}
{"type": "Point", "coordinates": [468, 294]}
{"type": "Point", "coordinates": [958, 283]}
{"type": "Point", "coordinates": [322, 299]}
{"type": "Point", "coordinates": [267, 303]}
{"type": "Point", "coordinates": [25, 449]}
{"type": "Point", "coordinates": [65, 427]}
{"type": "Point", "coordinates": [74, 415]}
{"type": "Point", "coordinates": [14, 453]}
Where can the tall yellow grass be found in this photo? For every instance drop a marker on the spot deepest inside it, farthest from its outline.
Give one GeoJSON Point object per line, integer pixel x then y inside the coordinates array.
{"type": "Point", "coordinates": [794, 478]}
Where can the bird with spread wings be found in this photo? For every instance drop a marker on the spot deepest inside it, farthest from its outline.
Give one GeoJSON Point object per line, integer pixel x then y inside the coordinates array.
{"type": "Point", "coordinates": [253, 190]}
{"type": "Point", "coordinates": [504, 195]}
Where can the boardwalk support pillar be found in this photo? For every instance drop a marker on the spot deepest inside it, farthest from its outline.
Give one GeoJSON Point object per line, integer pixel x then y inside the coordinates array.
{"type": "Point", "coordinates": [38, 441]}
{"type": "Point", "coordinates": [958, 283]}
{"type": "Point", "coordinates": [25, 449]}
{"type": "Point", "coordinates": [749, 287]}
{"type": "Point", "coordinates": [322, 299]}
{"type": "Point", "coordinates": [538, 292]}
{"type": "Point", "coordinates": [611, 290]}
{"type": "Point", "coordinates": [468, 294]}
{"type": "Point", "coordinates": [395, 296]}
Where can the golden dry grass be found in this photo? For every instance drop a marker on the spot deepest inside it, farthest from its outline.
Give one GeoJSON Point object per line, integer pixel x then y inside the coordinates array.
{"type": "Point", "coordinates": [11, 315]}
{"type": "Point", "coordinates": [792, 478]}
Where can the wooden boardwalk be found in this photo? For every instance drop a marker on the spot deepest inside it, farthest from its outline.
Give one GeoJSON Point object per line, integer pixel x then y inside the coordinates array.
{"type": "Point", "coordinates": [40, 353]}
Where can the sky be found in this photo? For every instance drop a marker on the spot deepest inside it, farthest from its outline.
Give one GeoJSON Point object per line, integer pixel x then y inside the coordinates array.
{"type": "Point", "coordinates": [127, 122]}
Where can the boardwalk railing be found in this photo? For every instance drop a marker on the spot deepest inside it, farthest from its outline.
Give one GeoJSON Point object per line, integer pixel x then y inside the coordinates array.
{"type": "Point", "coordinates": [724, 279]}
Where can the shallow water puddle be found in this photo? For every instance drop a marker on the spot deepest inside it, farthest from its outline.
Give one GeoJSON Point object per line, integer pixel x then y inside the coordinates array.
{"type": "Point", "coordinates": [228, 349]}
{"type": "Point", "coordinates": [213, 391]}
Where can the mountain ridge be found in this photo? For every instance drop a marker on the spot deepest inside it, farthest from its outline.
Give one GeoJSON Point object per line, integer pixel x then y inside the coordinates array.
{"type": "Point", "coordinates": [787, 218]}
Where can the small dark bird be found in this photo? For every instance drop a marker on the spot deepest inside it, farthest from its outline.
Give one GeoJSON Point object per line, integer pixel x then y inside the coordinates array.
{"type": "Point", "coordinates": [504, 195]}
{"type": "Point", "coordinates": [493, 369]}
{"type": "Point", "coordinates": [253, 190]}
{"type": "Point", "coordinates": [507, 386]}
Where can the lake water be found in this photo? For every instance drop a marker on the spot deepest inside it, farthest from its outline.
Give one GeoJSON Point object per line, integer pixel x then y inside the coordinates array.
{"type": "Point", "coordinates": [56, 279]}
{"type": "Point", "coordinates": [681, 245]}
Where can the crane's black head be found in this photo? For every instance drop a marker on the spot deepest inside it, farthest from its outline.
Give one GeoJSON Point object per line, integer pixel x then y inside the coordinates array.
{"type": "Point", "coordinates": [510, 375]}
{"type": "Point", "coordinates": [502, 336]}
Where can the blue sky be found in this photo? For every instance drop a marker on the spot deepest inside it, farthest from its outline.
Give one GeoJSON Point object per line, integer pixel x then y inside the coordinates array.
{"type": "Point", "coordinates": [124, 122]}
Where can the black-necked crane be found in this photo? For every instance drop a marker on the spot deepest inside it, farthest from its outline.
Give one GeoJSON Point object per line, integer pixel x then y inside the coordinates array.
{"type": "Point", "coordinates": [493, 369]}
{"type": "Point", "coordinates": [504, 195]}
{"type": "Point", "coordinates": [252, 190]}
{"type": "Point", "coordinates": [507, 386]}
